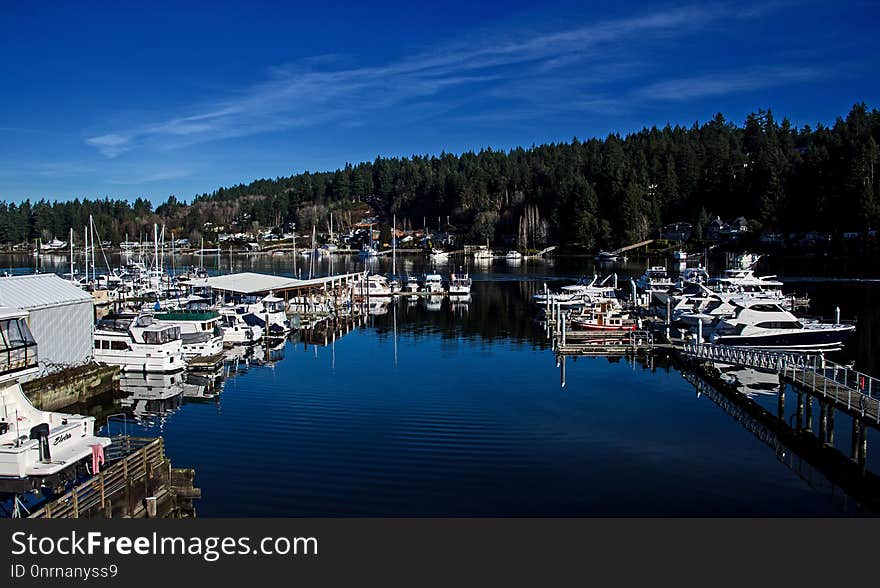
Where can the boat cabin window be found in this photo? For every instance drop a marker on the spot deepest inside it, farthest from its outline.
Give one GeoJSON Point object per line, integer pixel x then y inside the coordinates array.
{"type": "Point", "coordinates": [119, 346]}
{"type": "Point", "coordinates": [274, 306]}
{"type": "Point", "coordinates": [780, 325]}
{"type": "Point", "coordinates": [162, 336]}
{"type": "Point", "coordinates": [765, 308]}
{"type": "Point", "coordinates": [18, 350]}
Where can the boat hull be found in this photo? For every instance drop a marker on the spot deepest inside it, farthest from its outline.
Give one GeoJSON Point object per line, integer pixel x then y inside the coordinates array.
{"type": "Point", "coordinates": [806, 339]}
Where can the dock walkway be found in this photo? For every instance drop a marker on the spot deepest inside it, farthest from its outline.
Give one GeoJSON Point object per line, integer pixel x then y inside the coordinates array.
{"type": "Point", "coordinates": [846, 388]}
{"type": "Point", "coordinates": [138, 482]}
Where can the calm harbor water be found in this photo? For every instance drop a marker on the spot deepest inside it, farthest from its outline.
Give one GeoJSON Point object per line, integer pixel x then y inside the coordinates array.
{"type": "Point", "coordinates": [457, 410]}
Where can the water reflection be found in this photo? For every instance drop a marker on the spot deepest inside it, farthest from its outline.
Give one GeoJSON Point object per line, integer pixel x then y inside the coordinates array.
{"type": "Point", "coordinates": [151, 397]}
{"type": "Point", "coordinates": [453, 407]}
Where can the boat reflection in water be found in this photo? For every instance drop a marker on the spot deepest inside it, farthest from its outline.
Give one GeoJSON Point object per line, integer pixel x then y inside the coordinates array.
{"type": "Point", "coordinates": [203, 385]}
{"type": "Point", "coordinates": [750, 382]}
{"type": "Point", "coordinates": [148, 396]}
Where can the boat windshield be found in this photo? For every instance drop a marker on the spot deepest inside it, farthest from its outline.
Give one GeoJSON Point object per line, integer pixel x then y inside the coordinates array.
{"type": "Point", "coordinates": [275, 305]}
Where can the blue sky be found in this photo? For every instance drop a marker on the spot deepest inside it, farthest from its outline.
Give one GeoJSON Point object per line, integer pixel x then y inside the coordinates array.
{"type": "Point", "coordinates": [124, 100]}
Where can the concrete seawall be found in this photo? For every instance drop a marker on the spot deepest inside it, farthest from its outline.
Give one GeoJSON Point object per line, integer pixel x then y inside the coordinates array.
{"type": "Point", "coordinates": [72, 386]}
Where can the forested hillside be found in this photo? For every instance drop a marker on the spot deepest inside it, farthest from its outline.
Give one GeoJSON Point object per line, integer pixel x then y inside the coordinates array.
{"type": "Point", "coordinates": [596, 192]}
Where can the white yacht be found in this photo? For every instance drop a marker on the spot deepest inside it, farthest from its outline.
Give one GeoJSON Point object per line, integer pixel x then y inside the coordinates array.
{"type": "Point", "coordinates": [199, 327]}
{"type": "Point", "coordinates": [605, 256]}
{"type": "Point", "coordinates": [697, 275]}
{"type": "Point", "coordinates": [655, 279]}
{"type": "Point", "coordinates": [483, 253]}
{"type": "Point", "coordinates": [513, 255]}
{"type": "Point", "coordinates": [239, 326]}
{"type": "Point", "coordinates": [137, 343]}
{"type": "Point", "coordinates": [459, 284]}
{"type": "Point", "coordinates": [433, 284]}
{"type": "Point", "coordinates": [272, 311]}
{"type": "Point", "coordinates": [767, 325]}
{"type": "Point", "coordinates": [411, 285]}
{"type": "Point", "coordinates": [745, 280]}
{"type": "Point", "coordinates": [582, 293]}
{"type": "Point", "coordinates": [37, 447]}
{"type": "Point", "coordinates": [378, 286]}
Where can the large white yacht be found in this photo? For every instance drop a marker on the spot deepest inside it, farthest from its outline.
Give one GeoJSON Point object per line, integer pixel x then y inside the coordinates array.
{"type": "Point", "coordinates": [37, 447]}
{"type": "Point", "coordinates": [745, 280]}
{"type": "Point", "coordinates": [137, 343]}
{"type": "Point", "coordinates": [199, 327]}
{"type": "Point", "coordinates": [768, 326]}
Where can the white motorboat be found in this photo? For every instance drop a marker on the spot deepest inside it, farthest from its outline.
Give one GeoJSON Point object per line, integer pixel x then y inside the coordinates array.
{"type": "Point", "coordinates": [137, 343]}
{"type": "Point", "coordinates": [199, 328]}
{"type": "Point", "coordinates": [483, 253]}
{"type": "Point", "coordinates": [767, 325]}
{"type": "Point", "coordinates": [584, 292]}
{"type": "Point", "coordinates": [239, 326]}
{"type": "Point", "coordinates": [513, 255]}
{"type": "Point", "coordinates": [697, 275]}
{"type": "Point", "coordinates": [37, 447]}
{"type": "Point", "coordinates": [433, 284]}
{"type": "Point", "coordinates": [745, 280]}
{"type": "Point", "coordinates": [411, 286]}
{"type": "Point", "coordinates": [655, 279]}
{"type": "Point", "coordinates": [271, 310]}
{"type": "Point", "coordinates": [606, 256]}
{"type": "Point", "coordinates": [459, 284]}
{"type": "Point", "coordinates": [378, 286]}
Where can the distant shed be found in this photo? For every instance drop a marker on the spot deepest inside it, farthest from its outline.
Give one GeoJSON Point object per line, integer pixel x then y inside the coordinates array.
{"type": "Point", "coordinates": [61, 317]}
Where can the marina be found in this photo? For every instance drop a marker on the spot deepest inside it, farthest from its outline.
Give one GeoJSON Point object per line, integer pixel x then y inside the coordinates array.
{"type": "Point", "coordinates": [356, 343]}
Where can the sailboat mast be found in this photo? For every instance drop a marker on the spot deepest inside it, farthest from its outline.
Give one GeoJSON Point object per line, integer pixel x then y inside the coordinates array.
{"type": "Point", "coordinates": [156, 247]}
{"type": "Point", "coordinates": [312, 256]}
{"type": "Point", "coordinates": [94, 267]}
{"type": "Point", "coordinates": [71, 254]}
{"type": "Point", "coordinates": [394, 246]}
{"type": "Point", "coordinates": [86, 251]}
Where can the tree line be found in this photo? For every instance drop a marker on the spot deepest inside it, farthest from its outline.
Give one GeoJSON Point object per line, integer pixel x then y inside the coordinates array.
{"type": "Point", "coordinates": [590, 193]}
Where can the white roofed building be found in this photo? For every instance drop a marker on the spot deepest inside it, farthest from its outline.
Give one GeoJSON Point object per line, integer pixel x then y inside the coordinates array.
{"type": "Point", "coordinates": [60, 315]}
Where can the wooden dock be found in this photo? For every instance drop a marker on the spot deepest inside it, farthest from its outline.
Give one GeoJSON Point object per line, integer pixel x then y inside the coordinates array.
{"type": "Point", "coordinates": [203, 363]}
{"type": "Point", "coordinates": [603, 343]}
{"type": "Point", "coordinates": [633, 246]}
{"type": "Point", "coordinates": [138, 482]}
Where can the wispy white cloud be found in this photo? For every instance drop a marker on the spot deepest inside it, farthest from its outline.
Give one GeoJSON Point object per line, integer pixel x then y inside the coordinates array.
{"type": "Point", "coordinates": [724, 83]}
{"type": "Point", "coordinates": [313, 91]}
{"type": "Point", "coordinates": [149, 177]}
